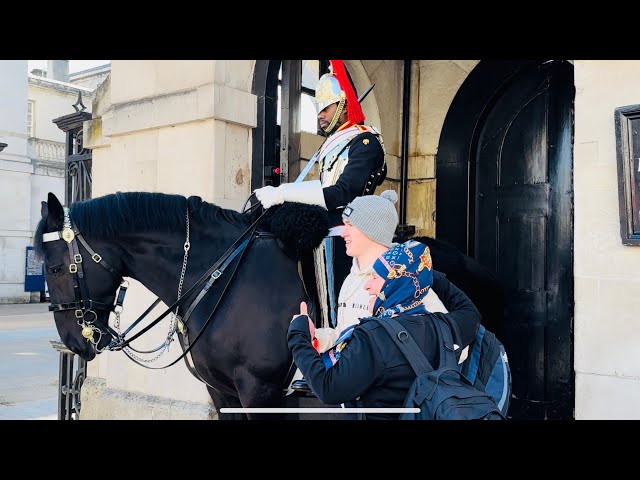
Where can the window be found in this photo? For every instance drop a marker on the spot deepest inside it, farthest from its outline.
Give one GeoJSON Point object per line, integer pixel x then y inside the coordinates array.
{"type": "Point", "coordinates": [30, 118]}
{"type": "Point", "coordinates": [308, 115]}
{"type": "Point", "coordinates": [267, 136]}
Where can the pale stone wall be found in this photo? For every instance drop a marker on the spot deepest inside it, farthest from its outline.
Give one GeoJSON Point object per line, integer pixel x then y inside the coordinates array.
{"type": "Point", "coordinates": [607, 273]}
{"type": "Point", "coordinates": [29, 167]}
{"type": "Point", "coordinates": [91, 82]}
{"type": "Point", "coordinates": [135, 79]}
{"type": "Point", "coordinates": [52, 100]}
{"type": "Point", "coordinates": [120, 404]}
{"type": "Point", "coordinates": [176, 127]}
{"type": "Point", "coordinates": [91, 78]}
{"type": "Point", "coordinates": [15, 173]}
{"type": "Point", "coordinates": [44, 180]}
{"type": "Point", "coordinates": [434, 84]}
{"type": "Point", "coordinates": [383, 110]}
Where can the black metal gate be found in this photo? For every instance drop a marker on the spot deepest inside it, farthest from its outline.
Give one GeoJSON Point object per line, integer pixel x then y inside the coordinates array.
{"type": "Point", "coordinates": [72, 371]}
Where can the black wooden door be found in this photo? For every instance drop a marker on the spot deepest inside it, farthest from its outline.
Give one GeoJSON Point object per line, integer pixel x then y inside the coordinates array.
{"type": "Point", "coordinates": [523, 230]}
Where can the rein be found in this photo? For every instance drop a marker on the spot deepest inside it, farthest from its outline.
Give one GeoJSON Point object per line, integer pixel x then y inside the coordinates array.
{"type": "Point", "coordinates": [212, 274]}
{"type": "Point", "coordinates": [241, 249]}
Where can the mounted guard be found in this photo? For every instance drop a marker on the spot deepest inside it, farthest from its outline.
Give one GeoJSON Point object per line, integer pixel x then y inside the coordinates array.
{"type": "Point", "coordinates": [351, 162]}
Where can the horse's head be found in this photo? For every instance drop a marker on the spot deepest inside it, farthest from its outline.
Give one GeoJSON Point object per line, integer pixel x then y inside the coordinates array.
{"type": "Point", "coordinates": [82, 290]}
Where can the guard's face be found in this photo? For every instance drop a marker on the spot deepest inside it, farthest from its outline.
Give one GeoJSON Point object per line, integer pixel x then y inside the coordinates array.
{"type": "Point", "coordinates": [325, 116]}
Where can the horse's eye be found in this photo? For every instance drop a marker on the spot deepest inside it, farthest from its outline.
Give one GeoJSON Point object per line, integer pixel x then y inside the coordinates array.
{"type": "Point", "coordinates": [55, 270]}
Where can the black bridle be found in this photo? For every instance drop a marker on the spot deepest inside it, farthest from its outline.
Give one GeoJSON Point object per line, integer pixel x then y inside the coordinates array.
{"type": "Point", "coordinates": [84, 307]}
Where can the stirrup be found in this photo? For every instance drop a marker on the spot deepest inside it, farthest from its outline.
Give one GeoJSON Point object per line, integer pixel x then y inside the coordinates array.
{"type": "Point", "coordinates": [302, 386]}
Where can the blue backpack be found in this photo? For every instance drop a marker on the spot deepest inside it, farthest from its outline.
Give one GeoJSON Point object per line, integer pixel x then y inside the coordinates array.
{"type": "Point", "coordinates": [445, 393]}
{"type": "Point", "coordinates": [487, 368]}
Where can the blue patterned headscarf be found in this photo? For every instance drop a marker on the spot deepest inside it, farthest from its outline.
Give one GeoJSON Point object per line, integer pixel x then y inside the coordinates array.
{"type": "Point", "coordinates": [406, 268]}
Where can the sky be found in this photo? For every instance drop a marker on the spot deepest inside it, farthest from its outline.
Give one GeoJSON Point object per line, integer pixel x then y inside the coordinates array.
{"type": "Point", "coordinates": [74, 65]}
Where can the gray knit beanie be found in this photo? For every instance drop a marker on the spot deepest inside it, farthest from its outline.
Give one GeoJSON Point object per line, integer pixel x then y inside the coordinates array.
{"type": "Point", "coordinates": [375, 216]}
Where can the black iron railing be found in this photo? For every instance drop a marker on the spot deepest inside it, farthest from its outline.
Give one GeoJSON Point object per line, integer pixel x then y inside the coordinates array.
{"type": "Point", "coordinates": [72, 373]}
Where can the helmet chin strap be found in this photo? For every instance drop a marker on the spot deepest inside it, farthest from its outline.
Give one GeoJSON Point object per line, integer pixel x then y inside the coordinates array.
{"type": "Point", "coordinates": [336, 116]}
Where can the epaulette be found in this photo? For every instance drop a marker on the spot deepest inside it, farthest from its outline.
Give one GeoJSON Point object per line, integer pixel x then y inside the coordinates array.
{"type": "Point", "coordinates": [368, 128]}
{"type": "Point", "coordinates": [375, 131]}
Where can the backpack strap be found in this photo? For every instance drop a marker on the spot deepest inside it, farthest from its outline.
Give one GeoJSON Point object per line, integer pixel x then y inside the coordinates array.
{"type": "Point", "coordinates": [447, 354]}
{"type": "Point", "coordinates": [406, 344]}
{"type": "Point", "coordinates": [474, 356]}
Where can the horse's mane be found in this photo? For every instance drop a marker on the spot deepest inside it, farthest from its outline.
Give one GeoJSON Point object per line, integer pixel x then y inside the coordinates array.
{"type": "Point", "coordinates": [125, 212]}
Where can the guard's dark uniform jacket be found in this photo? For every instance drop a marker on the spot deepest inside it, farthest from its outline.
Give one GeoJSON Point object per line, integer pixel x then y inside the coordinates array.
{"type": "Point", "coordinates": [350, 169]}
{"type": "Point", "coordinates": [370, 365]}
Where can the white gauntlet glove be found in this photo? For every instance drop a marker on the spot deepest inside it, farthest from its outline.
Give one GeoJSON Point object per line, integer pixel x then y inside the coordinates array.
{"type": "Point", "coordinates": [269, 196]}
{"type": "Point", "coordinates": [309, 192]}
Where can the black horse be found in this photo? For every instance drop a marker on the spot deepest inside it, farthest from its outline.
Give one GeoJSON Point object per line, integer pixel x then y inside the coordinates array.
{"type": "Point", "coordinates": [237, 331]}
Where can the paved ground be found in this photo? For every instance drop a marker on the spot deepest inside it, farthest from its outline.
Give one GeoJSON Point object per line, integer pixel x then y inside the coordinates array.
{"type": "Point", "coordinates": [28, 363]}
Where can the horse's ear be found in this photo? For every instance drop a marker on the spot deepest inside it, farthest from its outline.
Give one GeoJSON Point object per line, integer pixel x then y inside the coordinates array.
{"type": "Point", "coordinates": [56, 212]}
{"type": "Point", "coordinates": [43, 208]}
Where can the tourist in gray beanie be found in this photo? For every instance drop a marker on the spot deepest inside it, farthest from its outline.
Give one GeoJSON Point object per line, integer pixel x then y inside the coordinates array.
{"type": "Point", "coordinates": [369, 225]}
{"type": "Point", "coordinates": [375, 216]}
{"type": "Point", "coordinates": [370, 222]}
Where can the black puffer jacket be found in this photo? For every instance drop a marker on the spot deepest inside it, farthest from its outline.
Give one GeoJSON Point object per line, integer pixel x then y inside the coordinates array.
{"type": "Point", "coordinates": [371, 366]}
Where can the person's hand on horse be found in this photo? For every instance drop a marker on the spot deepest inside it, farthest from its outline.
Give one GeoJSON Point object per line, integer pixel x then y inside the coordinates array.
{"type": "Point", "coordinates": [312, 328]}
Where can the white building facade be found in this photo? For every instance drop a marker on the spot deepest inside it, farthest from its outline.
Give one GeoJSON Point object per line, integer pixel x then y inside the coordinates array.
{"type": "Point", "coordinates": [33, 162]}
{"type": "Point", "coordinates": [16, 173]}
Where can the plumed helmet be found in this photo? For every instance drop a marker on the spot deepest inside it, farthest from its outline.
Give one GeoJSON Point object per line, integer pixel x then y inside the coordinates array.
{"type": "Point", "coordinates": [328, 91]}
{"type": "Point", "coordinates": [335, 87]}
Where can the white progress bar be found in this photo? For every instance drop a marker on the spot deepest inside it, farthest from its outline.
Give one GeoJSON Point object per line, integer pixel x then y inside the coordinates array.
{"type": "Point", "coordinates": [319, 410]}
